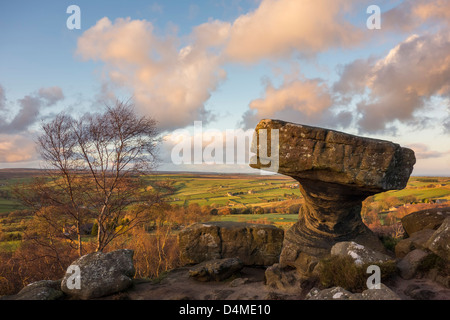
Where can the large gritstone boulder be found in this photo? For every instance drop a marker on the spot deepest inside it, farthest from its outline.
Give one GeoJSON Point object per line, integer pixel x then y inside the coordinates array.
{"type": "Point", "coordinates": [99, 274]}
{"type": "Point", "coordinates": [336, 172]}
{"type": "Point", "coordinates": [253, 244]}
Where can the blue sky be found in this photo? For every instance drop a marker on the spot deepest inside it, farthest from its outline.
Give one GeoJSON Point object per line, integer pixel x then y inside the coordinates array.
{"type": "Point", "coordinates": [229, 64]}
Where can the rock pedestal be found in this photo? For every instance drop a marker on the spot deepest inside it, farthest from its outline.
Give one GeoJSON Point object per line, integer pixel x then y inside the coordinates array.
{"type": "Point", "coordinates": [336, 172]}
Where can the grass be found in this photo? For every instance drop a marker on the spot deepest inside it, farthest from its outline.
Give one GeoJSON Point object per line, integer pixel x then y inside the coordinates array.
{"type": "Point", "coordinates": [9, 246]}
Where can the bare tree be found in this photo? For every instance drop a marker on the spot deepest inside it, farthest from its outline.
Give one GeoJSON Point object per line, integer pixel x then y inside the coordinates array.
{"type": "Point", "coordinates": [95, 166]}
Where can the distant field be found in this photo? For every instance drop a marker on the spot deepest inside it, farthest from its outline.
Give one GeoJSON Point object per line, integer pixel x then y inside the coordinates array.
{"type": "Point", "coordinates": [234, 190]}
{"type": "Point", "coordinates": [279, 220]}
{"type": "Point", "coordinates": [270, 192]}
{"type": "Point", "coordinates": [243, 190]}
{"type": "Point", "coordinates": [422, 188]}
{"type": "Point", "coordinates": [8, 179]}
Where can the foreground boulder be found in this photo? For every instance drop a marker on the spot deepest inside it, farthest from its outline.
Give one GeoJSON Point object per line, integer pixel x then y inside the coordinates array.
{"type": "Point", "coordinates": [40, 290]}
{"type": "Point", "coordinates": [216, 270]}
{"type": "Point", "coordinates": [100, 274]}
{"type": "Point", "coordinates": [360, 254]}
{"type": "Point", "coordinates": [336, 172]}
{"type": "Point", "coordinates": [425, 219]}
{"type": "Point", "coordinates": [439, 242]}
{"type": "Point", "coordinates": [253, 244]}
{"type": "Point", "coordinates": [411, 263]}
{"type": "Point", "coordinates": [418, 240]}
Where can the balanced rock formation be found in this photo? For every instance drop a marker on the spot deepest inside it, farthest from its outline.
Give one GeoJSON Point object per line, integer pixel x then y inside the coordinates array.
{"type": "Point", "coordinates": [254, 244]}
{"type": "Point", "coordinates": [336, 172]}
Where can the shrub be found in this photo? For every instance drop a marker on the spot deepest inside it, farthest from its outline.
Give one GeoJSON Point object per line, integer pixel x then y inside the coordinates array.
{"type": "Point", "coordinates": [11, 236]}
{"type": "Point", "coordinates": [94, 231]}
{"type": "Point", "coordinates": [389, 242]}
{"type": "Point", "coordinates": [432, 261]}
{"type": "Point", "coordinates": [32, 262]}
{"type": "Point", "coordinates": [258, 210]}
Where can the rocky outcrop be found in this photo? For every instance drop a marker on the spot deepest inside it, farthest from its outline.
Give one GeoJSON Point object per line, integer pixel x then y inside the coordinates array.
{"type": "Point", "coordinates": [360, 254]}
{"type": "Point", "coordinates": [40, 290]}
{"type": "Point", "coordinates": [417, 240]}
{"type": "Point", "coordinates": [424, 219]}
{"type": "Point", "coordinates": [253, 244]}
{"type": "Point", "coordinates": [426, 251]}
{"type": "Point", "coordinates": [336, 172]}
{"type": "Point", "coordinates": [216, 270]}
{"type": "Point", "coordinates": [100, 274]}
{"type": "Point", "coordinates": [409, 265]}
{"type": "Point", "coordinates": [439, 242]}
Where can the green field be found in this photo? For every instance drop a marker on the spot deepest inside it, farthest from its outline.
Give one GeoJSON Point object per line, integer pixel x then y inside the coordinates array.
{"type": "Point", "coordinates": [231, 189]}
{"type": "Point", "coordinates": [277, 195]}
{"type": "Point", "coordinates": [277, 219]}
{"type": "Point", "coordinates": [422, 188]}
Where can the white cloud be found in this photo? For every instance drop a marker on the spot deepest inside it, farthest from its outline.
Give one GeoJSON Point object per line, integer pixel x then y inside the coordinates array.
{"type": "Point", "coordinates": [411, 14]}
{"type": "Point", "coordinates": [277, 28]}
{"type": "Point", "coordinates": [423, 151]}
{"type": "Point", "coordinates": [16, 148]}
{"type": "Point", "coordinates": [297, 99]}
{"type": "Point", "coordinates": [172, 82]}
{"type": "Point", "coordinates": [52, 94]}
{"type": "Point", "coordinates": [168, 83]}
{"type": "Point", "coordinates": [30, 107]}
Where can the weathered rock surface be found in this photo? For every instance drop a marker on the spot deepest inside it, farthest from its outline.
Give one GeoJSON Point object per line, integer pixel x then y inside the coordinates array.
{"type": "Point", "coordinates": [40, 290]}
{"type": "Point", "coordinates": [417, 292]}
{"type": "Point", "coordinates": [336, 172]}
{"type": "Point", "coordinates": [335, 293]}
{"type": "Point", "coordinates": [338, 293]}
{"type": "Point", "coordinates": [216, 270]}
{"type": "Point", "coordinates": [360, 254]}
{"type": "Point", "coordinates": [101, 274]}
{"type": "Point", "coordinates": [439, 241]}
{"type": "Point", "coordinates": [425, 219]}
{"type": "Point", "coordinates": [409, 265]}
{"type": "Point", "coordinates": [417, 240]}
{"type": "Point", "coordinates": [384, 293]}
{"type": "Point", "coordinates": [254, 244]}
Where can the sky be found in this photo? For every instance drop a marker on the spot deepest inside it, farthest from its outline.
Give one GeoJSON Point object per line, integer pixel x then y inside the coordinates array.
{"type": "Point", "coordinates": [230, 64]}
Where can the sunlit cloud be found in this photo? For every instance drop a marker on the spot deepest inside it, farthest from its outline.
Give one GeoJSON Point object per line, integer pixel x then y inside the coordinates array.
{"type": "Point", "coordinates": [168, 83]}
{"type": "Point", "coordinates": [422, 151]}
{"type": "Point", "coordinates": [411, 14]}
{"type": "Point", "coordinates": [16, 148]}
{"type": "Point", "coordinates": [401, 83]}
{"type": "Point", "coordinates": [278, 28]}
